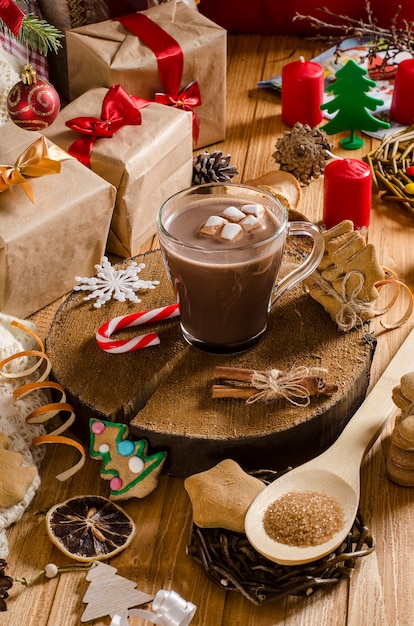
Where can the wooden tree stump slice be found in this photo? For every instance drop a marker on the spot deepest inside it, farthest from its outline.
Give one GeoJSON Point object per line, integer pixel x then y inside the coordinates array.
{"type": "Point", "coordinates": [109, 386]}
{"type": "Point", "coordinates": [164, 392]}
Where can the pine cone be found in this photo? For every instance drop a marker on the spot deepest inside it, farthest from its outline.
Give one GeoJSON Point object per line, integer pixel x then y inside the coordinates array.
{"type": "Point", "coordinates": [212, 168]}
{"type": "Point", "coordinates": [303, 152]}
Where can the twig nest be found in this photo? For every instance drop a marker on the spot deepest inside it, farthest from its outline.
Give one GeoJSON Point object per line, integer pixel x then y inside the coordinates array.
{"type": "Point", "coordinates": [391, 165]}
{"type": "Point", "coordinates": [303, 152]}
{"type": "Point", "coordinates": [282, 185]}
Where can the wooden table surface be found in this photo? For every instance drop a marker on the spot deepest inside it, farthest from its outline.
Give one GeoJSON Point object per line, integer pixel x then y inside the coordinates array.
{"type": "Point", "coordinates": [380, 591]}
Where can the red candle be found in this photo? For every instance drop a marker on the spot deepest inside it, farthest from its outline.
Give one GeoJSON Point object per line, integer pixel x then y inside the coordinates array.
{"type": "Point", "coordinates": [347, 193]}
{"type": "Point", "coordinates": [302, 93]}
{"type": "Point", "coordinates": [402, 104]}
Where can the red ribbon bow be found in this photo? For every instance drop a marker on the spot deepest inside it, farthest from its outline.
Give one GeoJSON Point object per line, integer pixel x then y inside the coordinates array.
{"type": "Point", "coordinates": [187, 99]}
{"type": "Point", "coordinates": [118, 109]}
{"type": "Point", "coordinates": [170, 61]}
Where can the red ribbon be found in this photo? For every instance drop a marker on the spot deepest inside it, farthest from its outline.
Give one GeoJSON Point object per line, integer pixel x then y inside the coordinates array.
{"type": "Point", "coordinates": [12, 15]}
{"type": "Point", "coordinates": [170, 61]}
{"type": "Point", "coordinates": [188, 98]}
{"type": "Point", "coordinates": [118, 109]}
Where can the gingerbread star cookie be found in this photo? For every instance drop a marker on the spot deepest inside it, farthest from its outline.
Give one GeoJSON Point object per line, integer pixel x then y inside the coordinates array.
{"type": "Point", "coordinates": [125, 463]}
{"type": "Point", "coordinates": [221, 496]}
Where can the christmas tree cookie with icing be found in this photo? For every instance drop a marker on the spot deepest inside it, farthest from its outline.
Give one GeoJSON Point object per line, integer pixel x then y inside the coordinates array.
{"type": "Point", "coordinates": [126, 464]}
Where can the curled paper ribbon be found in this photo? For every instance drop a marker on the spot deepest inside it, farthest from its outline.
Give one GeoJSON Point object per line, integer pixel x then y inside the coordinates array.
{"type": "Point", "coordinates": [37, 160]}
{"type": "Point", "coordinates": [170, 610]}
{"type": "Point", "coordinates": [170, 59]}
{"type": "Point", "coordinates": [410, 307]}
{"type": "Point", "coordinates": [118, 109]}
{"type": "Point", "coordinates": [120, 346]}
{"type": "Point", "coordinates": [50, 410]}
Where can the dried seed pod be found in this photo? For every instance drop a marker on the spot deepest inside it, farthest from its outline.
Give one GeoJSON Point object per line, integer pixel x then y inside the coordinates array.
{"type": "Point", "coordinates": [303, 152]}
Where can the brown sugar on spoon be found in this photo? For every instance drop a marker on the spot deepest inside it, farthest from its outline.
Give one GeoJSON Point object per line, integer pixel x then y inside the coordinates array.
{"type": "Point", "coordinates": [303, 518]}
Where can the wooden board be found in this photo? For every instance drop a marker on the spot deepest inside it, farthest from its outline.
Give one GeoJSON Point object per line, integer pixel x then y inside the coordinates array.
{"type": "Point", "coordinates": [181, 417]}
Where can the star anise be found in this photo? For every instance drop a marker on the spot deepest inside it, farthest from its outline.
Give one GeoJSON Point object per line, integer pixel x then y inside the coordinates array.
{"type": "Point", "coordinates": [5, 584]}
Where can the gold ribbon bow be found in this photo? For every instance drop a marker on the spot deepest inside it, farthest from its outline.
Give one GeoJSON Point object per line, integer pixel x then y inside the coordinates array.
{"type": "Point", "coordinates": [36, 160]}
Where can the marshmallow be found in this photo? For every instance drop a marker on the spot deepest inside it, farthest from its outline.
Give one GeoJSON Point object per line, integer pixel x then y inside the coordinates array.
{"type": "Point", "coordinates": [213, 225]}
{"type": "Point", "coordinates": [253, 209]}
{"type": "Point", "coordinates": [250, 223]}
{"type": "Point", "coordinates": [233, 214]}
{"type": "Point", "coordinates": [230, 231]}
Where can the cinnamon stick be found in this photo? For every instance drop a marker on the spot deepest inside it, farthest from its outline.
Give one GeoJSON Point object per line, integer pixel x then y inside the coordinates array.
{"type": "Point", "coordinates": [313, 385]}
{"type": "Point", "coordinates": [230, 391]}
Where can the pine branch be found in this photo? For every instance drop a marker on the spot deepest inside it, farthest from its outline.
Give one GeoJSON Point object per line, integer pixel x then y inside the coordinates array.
{"type": "Point", "coordinates": [37, 34]}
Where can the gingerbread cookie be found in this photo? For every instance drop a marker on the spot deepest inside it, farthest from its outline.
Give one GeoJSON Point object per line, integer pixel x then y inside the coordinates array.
{"type": "Point", "coordinates": [15, 478]}
{"type": "Point", "coordinates": [221, 496]}
{"type": "Point", "coordinates": [346, 278]}
{"type": "Point", "coordinates": [131, 472]}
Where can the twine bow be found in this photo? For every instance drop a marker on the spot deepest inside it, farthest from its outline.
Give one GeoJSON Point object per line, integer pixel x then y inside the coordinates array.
{"type": "Point", "coordinates": [352, 310]}
{"type": "Point", "coordinates": [170, 59]}
{"type": "Point", "coordinates": [35, 161]}
{"type": "Point", "coordinates": [275, 384]}
{"type": "Point", "coordinates": [118, 109]}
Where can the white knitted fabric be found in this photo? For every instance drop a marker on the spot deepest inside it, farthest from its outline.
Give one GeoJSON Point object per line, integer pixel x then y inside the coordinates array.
{"type": "Point", "coordinates": [8, 78]}
{"type": "Point", "coordinates": [13, 415]}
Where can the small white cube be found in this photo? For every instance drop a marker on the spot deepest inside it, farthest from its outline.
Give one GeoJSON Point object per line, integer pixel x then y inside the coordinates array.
{"type": "Point", "coordinates": [250, 223]}
{"type": "Point", "coordinates": [213, 225]}
{"type": "Point", "coordinates": [253, 209]}
{"type": "Point", "coordinates": [233, 214]}
{"type": "Point", "coordinates": [230, 231]}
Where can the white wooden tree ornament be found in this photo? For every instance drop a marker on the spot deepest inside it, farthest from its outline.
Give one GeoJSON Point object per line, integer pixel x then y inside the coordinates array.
{"type": "Point", "coordinates": [110, 594]}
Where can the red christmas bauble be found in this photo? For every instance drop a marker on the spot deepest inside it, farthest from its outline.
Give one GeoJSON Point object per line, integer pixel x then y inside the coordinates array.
{"type": "Point", "coordinates": [33, 106]}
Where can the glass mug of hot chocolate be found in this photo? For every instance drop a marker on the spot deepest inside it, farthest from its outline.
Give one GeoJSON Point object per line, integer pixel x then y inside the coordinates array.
{"type": "Point", "coordinates": [222, 246]}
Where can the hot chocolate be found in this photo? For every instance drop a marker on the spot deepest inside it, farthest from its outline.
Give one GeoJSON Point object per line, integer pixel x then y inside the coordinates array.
{"type": "Point", "coordinates": [225, 275]}
{"type": "Point", "coordinates": [223, 247]}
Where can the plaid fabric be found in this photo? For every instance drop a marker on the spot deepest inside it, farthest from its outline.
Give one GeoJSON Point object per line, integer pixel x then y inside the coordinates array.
{"type": "Point", "coordinates": [18, 50]}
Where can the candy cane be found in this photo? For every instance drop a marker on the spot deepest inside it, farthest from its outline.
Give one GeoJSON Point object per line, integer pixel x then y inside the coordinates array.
{"type": "Point", "coordinates": [120, 346]}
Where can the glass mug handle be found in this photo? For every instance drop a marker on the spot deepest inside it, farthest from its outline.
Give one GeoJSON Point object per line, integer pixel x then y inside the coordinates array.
{"type": "Point", "coordinates": [310, 263]}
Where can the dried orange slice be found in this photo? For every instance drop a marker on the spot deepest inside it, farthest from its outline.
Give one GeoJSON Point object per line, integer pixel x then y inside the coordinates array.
{"type": "Point", "coordinates": [89, 528]}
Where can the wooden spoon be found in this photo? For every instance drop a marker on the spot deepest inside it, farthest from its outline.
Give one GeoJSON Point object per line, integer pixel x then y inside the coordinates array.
{"type": "Point", "coordinates": [335, 472]}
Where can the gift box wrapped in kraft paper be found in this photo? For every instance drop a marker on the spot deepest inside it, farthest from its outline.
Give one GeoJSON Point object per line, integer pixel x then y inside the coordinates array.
{"type": "Point", "coordinates": [54, 221]}
{"type": "Point", "coordinates": [131, 51]}
{"type": "Point", "coordinates": [145, 152]}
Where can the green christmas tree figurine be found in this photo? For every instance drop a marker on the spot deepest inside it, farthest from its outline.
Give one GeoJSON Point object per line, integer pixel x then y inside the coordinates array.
{"type": "Point", "coordinates": [351, 102]}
